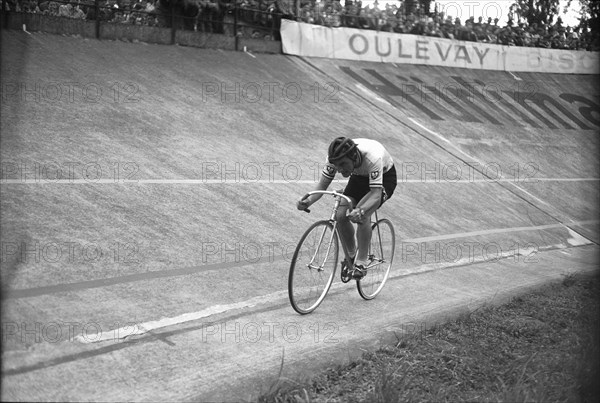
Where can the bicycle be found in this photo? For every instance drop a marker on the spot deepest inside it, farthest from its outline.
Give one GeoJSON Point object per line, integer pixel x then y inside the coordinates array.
{"type": "Point", "coordinates": [315, 259]}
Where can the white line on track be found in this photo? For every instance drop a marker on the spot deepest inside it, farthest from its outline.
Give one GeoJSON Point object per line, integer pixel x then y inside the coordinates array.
{"type": "Point", "coordinates": [498, 231]}
{"type": "Point", "coordinates": [139, 329]}
{"type": "Point", "coordinates": [142, 328]}
{"type": "Point", "coordinates": [265, 181]}
{"type": "Point", "coordinates": [157, 181]}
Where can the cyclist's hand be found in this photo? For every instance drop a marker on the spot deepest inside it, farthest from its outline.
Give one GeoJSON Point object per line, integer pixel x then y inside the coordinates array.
{"type": "Point", "coordinates": [356, 215]}
{"type": "Point", "coordinates": [303, 203]}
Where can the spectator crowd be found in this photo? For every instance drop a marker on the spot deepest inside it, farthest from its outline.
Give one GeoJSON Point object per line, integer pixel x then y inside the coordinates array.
{"type": "Point", "coordinates": [216, 16]}
{"type": "Point", "coordinates": [142, 12]}
{"type": "Point", "coordinates": [393, 18]}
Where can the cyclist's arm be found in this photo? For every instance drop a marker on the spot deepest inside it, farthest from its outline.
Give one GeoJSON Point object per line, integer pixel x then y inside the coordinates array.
{"type": "Point", "coordinates": [323, 184]}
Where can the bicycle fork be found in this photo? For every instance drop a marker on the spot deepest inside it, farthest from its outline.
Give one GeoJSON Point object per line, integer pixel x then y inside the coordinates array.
{"type": "Point", "coordinates": [319, 267]}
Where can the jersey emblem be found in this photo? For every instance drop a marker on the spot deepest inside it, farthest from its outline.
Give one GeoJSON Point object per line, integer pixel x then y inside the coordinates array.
{"type": "Point", "coordinates": [330, 170]}
{"type": "Point", "coordinates": [374, 175]}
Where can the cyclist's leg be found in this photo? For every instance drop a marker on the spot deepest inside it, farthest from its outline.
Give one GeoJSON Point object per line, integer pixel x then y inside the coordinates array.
{"type": "Point", "coordinates": [356, 189]}
{"type": "Point", "coordinates": [363, 237]}
{"type": "Point", "coordinates": [364, 229]}
{"type": "Point", "coordinates": [345, 227]}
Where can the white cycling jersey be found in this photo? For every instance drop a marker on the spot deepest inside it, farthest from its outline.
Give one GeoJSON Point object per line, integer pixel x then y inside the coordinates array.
{"type": "Point", "coordinates": [375, 161]}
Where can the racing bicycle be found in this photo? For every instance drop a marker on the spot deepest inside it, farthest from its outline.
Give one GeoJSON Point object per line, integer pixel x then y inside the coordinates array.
{"type": "Point", "coordinates": [315, 259]}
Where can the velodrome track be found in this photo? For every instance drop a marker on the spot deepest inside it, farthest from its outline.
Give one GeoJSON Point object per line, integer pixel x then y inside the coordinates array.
{"type": "Point", "coordinates": [148, 209]}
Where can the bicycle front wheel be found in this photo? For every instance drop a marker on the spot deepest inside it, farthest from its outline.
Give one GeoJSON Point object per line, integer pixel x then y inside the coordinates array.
{"type": "Point", "coordinates": [381, 256]}
{"type": "Point", "coordinates": [313, 267]}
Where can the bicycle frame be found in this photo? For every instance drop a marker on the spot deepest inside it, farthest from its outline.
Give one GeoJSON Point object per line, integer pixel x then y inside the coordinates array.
{"type": "Point", "coordinates": [332, 219]}
{"type": "Point", "coordinates": [309, 282]}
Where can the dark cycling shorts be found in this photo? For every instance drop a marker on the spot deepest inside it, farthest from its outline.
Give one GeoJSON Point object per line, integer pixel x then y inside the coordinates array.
{"type": "Point", "coordinates": [358, 186]}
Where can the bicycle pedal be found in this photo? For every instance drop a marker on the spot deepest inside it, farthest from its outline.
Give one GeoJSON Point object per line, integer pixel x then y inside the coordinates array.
{"type": "Point", "coordinates": [345, 273]}
{"type": "Point", "coordinates": [358, 274]}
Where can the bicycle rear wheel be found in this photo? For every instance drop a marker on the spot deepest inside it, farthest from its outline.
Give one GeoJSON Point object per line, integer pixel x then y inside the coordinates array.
{"type": "Point", "coordinates": [381, 256]}
{"type": "Point", "coordinates": [313, 267]}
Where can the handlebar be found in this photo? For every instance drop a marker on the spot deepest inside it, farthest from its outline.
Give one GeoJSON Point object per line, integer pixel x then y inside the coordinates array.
{"type": "Point", "coordinates": [327, 192]}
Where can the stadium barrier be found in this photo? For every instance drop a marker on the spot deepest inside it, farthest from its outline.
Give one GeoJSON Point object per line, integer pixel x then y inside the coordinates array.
{"type": "Point", "coordinates": [227, 30]}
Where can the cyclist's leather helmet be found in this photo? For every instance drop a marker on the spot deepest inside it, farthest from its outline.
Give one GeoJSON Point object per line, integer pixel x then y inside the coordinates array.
{"type": "Point", "coordinates": [341, 147]}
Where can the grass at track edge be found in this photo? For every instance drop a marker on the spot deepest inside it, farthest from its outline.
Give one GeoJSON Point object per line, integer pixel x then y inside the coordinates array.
{"type": "Point", "coordinates": [543, 346]}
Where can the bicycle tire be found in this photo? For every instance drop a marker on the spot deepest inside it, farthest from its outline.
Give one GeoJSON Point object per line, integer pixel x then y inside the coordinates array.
{"type": "Point", "coordinates": [310, 266]}
{"type": "Point", "coordinates": [381, 257]}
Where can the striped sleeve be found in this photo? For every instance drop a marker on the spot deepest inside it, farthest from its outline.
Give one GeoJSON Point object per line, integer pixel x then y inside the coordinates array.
{"type": "Point", "coordinates": [329, 170]}
{"type": "Point", "coordinates": [376, 174]}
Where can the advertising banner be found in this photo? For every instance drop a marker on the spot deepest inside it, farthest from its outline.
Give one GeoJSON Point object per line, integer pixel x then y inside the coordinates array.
{"type": "Point", "coordinates": [311, 40]}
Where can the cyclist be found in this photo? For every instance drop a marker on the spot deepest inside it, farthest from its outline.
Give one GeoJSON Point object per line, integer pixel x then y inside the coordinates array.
{"type": "Point", "coordinates": [372, 181]}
